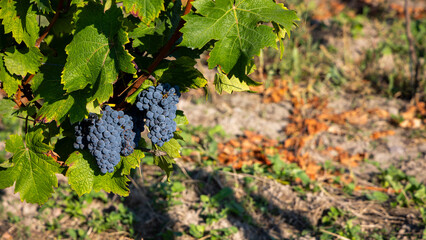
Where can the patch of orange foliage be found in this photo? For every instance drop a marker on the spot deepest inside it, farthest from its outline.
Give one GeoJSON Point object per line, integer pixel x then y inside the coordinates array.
{"type": "Point", "coordinates": [248, 149]}
{"type": "Point", "coordinates": [327, 9]}
{"type": "Point", "coordinates": [380, 134]}
{"type": "Point", "coordinates": [357, 116]}
{"type": "Point", "coordinates": [309, 118]}
{"type": "Point", "coordinates": [415, 12]}
{"type": "Point", "coordinates": [340, 155]}
{"type": "Point", "coordinates": [278, 92]}
{"type": "Point", "coordinates": [413, 116]}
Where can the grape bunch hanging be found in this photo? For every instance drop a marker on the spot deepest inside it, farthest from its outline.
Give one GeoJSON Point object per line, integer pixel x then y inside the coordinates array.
{"type": "Point", "coordinates": [116, 133]}
{"type": "Point", "coordinates": [106, 137]}
{"type": "Point", "coordinates": [158, 105]}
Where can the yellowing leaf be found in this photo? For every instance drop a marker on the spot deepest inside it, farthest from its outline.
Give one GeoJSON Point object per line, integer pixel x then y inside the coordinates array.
{"type": "Point", "coordinates": [23, 61]}
{"type": "Point", "coordinates": [146, 10]}
{"type": "Point", "coordinates": [229, 85]}
{"type": "Point", "coordinates": [10, 83]}
{"type": "Point", "coordinates": [19, 18]}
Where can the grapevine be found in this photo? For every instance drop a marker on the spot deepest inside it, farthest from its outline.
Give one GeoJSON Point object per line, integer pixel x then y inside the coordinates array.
{"type": "Point", "coordinates": [92, 78]}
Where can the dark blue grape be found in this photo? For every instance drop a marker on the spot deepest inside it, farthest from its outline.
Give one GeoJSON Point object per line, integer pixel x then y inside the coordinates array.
{"type": "Point", "coordinates": [158, 106]}
{"type": "Point", "coordinates": [106, 137]}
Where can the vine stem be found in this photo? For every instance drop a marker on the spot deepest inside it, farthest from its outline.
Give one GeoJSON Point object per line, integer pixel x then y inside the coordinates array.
{"type": "Point", "coordinates": [55, 18]}
{"type": "Point", "coordinates": [161, 55]}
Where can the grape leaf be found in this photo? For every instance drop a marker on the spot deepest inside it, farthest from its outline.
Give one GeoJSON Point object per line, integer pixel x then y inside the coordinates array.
{"type": "Point", "coordinates": [23, 61]}
{"type": "Point", "coordinates": [33, 170]}
{"type": "Point", "coordinates": [77, 2]}
{"type": "Point", "coordinates": [180, 118]}
{"type": "Point", "coordinates": [96, 54]}
{"type": "Point", "coordinates": [235, 27]}
{"type": "Point", "coordinates": [43, 5]}
{"type": "Point", "coordinates": [6, 108]}
{"type": "Point", "coordinates": [132, 161]}
{"type": "Point", "coordinates": [181, 72]}
{"type": "Point", "coordinates": [84, 176]}
{"type": "Point", "coordinates": [150, 37]}
{"type": "Point", "coordinates": [165, 163]}
{"type": "Point", "coordinates": [146, 10]}
{"type": "Point", "coordinates": [73, 105]}
{"type": "Point", "coordinates": [65, 23]}
{"type": "Point", "coordinates": [19, 18]}
{"type": "Point", "coordinates": [10, 83]}
{"type": "Point", "coordinates": [172, 148]}
{"type": "Point", "coordinates": [46, 85]}
{"type": "Point", "coordinates": [229, 85]}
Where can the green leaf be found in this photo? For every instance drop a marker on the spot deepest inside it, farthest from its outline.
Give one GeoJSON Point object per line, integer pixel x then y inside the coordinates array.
{"type": "Point", "coordinates": [19, 18]}
{"type": "Point", "coordinates": [180, 118]}
{"type": "Point", "coordinates": [84, 176]}
{"type": "Point", "coordinates": [23, 61]}
{"type": "Point", "coordinates": [6, 108]}
{"type": "Point", "coordinates": [132, 161]}
{"type": "Point", "coordinates": [78, 2]}
{"type": "Point", "coordinates": [172, 148]}
{"type": "Point", "coordinates": [223, 83]}
{"type": "Point", "coordinates": [146, 10]}
{"type": "Point", "coordinates": [235, 27]}
{"type": "Point", "coordinates": [33, 172]}
{"type": "Point", "coordinates": [43, 5]}
{"type": "Point", "coordinates": [108, 4]}
{"type": "Point", "coordinates": [58, 109]}
{"type": "Point", "coordinates": [65, 23]}
{"type": "Point", "coordinates": [5, 163]}
{"type": "Point", "coordinates": [165, 163]}
{"type": "Point", "coordinates": [196, 231]}
{"type": "Point", "coordinates": [181, 72]}
{"type": "Point", "coordinates": [303, 176]}
{"type": "Point", "coordinates": [96, 54]}
{"type": "Point", "coordinates": [46, 85]}
{"type": "Point", "coordinates": [10, 83]}
{"type": "Point", "coordinates": [378, 196]}
{"type": "Point", "coordinates": [149, 37]}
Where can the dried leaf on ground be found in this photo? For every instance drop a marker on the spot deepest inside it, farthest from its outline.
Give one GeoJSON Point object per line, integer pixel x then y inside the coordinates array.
{"type": "Point", "coordinates": [410, 113]}
{"type": "Point", "coordinates": [411, 123]}
{"type": "Point", "coordinates": [380, 134]}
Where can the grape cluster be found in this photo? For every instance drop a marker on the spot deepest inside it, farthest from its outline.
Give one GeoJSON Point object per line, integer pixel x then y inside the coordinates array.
{"type": "Point", "coordinates": [138, 123]}
{"type": "Point", "coordinates": [106, 137]}
{"type": "Point", "coordinates": [158, 105]}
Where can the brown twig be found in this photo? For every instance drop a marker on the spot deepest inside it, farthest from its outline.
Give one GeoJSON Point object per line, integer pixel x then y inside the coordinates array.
{"type": "Point", "coordinates": [54, 19]}
{"type": "Point", "coordinates": [164, 51]}
{"type": "Point", "coordinates": [28, 79]}
{"type": "Point", "coordinates": [414, 66]}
